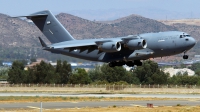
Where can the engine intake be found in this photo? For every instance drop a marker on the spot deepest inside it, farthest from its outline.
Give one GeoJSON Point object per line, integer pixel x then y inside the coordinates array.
{"type": "Point", "coordinates": [136, 44]}
{"type": "Point", "coordinates": [110, 47]}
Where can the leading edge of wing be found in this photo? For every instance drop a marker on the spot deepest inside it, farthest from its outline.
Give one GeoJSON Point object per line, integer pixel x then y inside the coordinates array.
{"type": "Point", "coordinates": [69, 44]}
{"type": "Point", "coordinates": [89, 42]}
{"type": "Point", "coordinates": [77, 43]}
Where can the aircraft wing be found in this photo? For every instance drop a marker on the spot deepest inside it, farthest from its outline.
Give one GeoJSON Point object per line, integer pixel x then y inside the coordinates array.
{"type": "Point", "coordinates": [130, 37]}
{"type": "Point", "coordinates": [103, 45]}
{"type": "Point", "coordinates": [84, 43]}
{"type": "Point", "coordinates": [77, 43]}
{"type": "Point", "coordinates": [70, 44]}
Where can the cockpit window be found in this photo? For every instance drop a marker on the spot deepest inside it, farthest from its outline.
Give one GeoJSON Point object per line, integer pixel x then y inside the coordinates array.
{"type": "Point", "coordinates": [187, 35]}
{"type": "Point", "coordinates": [182, 36]}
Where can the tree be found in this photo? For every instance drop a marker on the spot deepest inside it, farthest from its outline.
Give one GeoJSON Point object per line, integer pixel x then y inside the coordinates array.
{"type": "Point", "coordinates": [184, 79]}
{"type": "Point", "coordinates": [51, 77]}
{"type": "Point", "coordinates": [63, 70]}
{"type": "Point", "coordinates": [149, 73]}
{"type": "Point", "coordinates": [31, 77]}
{"type": "Point", "coordinates": [4, 73]}
{"type": "Point", "coordinates": [96, 74]}
{"type": "Point", "coordinates": [16, 74]}
{"type": "Point", "coordinates": [24, 61]}
{"type": "Point", "coordinates": [79, 76]}
{"type": "Point", "coordinates": [196, 68]}
{"type": "Point", "coordinates": [197, 72]}
{"type": "Point", "coordinates": [44, 73]}
{"type": "Point", "coordinates": [112, 74]}
{"type": "Point", "coordinates": [59, 70]}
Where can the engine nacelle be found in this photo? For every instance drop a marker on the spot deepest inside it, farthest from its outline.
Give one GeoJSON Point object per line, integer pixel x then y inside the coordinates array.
{"type": "Point", "coordinates": [110, 47]}
{"type": "Point", "coordinates": [136, 44]}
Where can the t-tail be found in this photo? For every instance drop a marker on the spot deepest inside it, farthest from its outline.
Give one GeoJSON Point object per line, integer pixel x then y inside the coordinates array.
{"type": "Point", "coordinates": [50, 26]}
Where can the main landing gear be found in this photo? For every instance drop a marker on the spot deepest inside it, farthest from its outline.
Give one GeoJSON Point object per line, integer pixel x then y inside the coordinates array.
{"type": "Point", "coordinates": [128, 63]}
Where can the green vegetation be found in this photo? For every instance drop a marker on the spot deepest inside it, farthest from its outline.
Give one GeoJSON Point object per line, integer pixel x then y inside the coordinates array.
{"type": "Point", "coordinates": [79, 76]}
{"type": "Point", "coordinates": [3, 72]}
{"type": "Point", "coordinates": [148, 73]}
{"type": "Point", "coordinates": [41, 73]}
{"type": "Point", "coordinates": [196, 68]}
{"type": "Point", "coordinates": [184, 79]}
{"type": "Point", "coordinates": [108, 74]}
{"type": "Point", "coordinates": [17, 74]}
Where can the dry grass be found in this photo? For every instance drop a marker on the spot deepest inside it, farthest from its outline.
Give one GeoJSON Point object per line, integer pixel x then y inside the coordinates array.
{"type": "Point", "coordinates": [98, 109]}
{"type": "Point", "coordinates": [101, 90]}
{"type": "Point", "coordinates": [116, 109]}
{"type": "Point", "coordinates": [11, 99]}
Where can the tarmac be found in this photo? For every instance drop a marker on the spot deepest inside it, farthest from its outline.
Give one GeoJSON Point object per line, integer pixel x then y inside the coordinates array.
{"type": "Point", "coordinates": [194, 100]}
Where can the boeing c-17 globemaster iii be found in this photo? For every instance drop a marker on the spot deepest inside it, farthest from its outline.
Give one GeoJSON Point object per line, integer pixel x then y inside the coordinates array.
{"type": "Point", "coordinates": [118, 51]}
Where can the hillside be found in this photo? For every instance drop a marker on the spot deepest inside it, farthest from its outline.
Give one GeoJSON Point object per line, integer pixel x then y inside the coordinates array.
{"type": "Point", "coordinates": [195, 22]}
{"type": "Point", "coordinates": [191, 26]}
{"type": "Point", "coordinates": [14, 32]}
{"type": "Point", "coordinates": [19, 37]}
{"type": "Point", "coordinates": [82, 28]}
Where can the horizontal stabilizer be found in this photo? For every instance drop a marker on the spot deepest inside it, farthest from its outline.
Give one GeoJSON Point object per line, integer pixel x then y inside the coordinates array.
{"type": "Point", "coordinates": [29, 16]}
{"type": "Point", "coordinates": [42, 42]}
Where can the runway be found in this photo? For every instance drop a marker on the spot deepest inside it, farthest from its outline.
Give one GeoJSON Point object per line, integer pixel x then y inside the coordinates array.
{"type": "Point", "coordinates": [194, 100]}
{"type": "Point", "coordinates": [59, 105]}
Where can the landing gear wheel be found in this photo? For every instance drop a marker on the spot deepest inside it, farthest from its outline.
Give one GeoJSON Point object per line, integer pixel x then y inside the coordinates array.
{"type": "Point", "coordinates": [130, 64]}
{"type": "Point", "coordinates": [120, 63]}
{"type": "Point", "coordinates": [185, 56]}
{"type": "Point", "coordinates": [111, 64]}
{"type": "Point", "coordinates": [138, 62]}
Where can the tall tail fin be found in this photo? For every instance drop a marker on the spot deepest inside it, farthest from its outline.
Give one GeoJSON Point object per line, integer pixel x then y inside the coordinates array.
{"type": "Point", "coordinates": [50, 26]}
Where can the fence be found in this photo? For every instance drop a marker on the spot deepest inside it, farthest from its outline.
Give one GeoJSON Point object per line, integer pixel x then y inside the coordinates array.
{"type": "Point", "coordinates": [107, 86]}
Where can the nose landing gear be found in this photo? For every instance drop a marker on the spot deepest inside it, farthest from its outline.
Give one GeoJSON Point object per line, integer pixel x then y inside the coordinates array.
{"type": "Point", "coordinates": [185, 56]}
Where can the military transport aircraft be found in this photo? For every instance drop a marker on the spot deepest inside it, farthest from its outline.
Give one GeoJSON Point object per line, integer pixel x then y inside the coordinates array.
{"type": "Point", "coordinates": [118, 51]}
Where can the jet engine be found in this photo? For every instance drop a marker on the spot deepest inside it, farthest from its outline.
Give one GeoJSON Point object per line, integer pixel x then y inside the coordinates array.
{"type": "Point", "coordinates": [136, 44]}
{"type": "Point", "coordinates": [110, 47]}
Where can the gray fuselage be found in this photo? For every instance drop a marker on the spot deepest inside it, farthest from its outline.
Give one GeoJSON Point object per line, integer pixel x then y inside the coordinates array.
{"type": "Point", "coordinates": [158, 45]}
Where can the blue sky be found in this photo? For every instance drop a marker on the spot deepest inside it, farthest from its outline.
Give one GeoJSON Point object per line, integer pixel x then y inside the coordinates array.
{"type": "Point", "coordinates": [185, 8]}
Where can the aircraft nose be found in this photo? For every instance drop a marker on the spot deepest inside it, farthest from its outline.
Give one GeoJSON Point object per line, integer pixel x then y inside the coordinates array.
{"type": "Point", "coordinates": [192, 41]}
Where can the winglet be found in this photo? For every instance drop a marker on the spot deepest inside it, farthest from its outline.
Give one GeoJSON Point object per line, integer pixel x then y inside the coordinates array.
{"type": "Point", "coordinates": [42, 42]}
